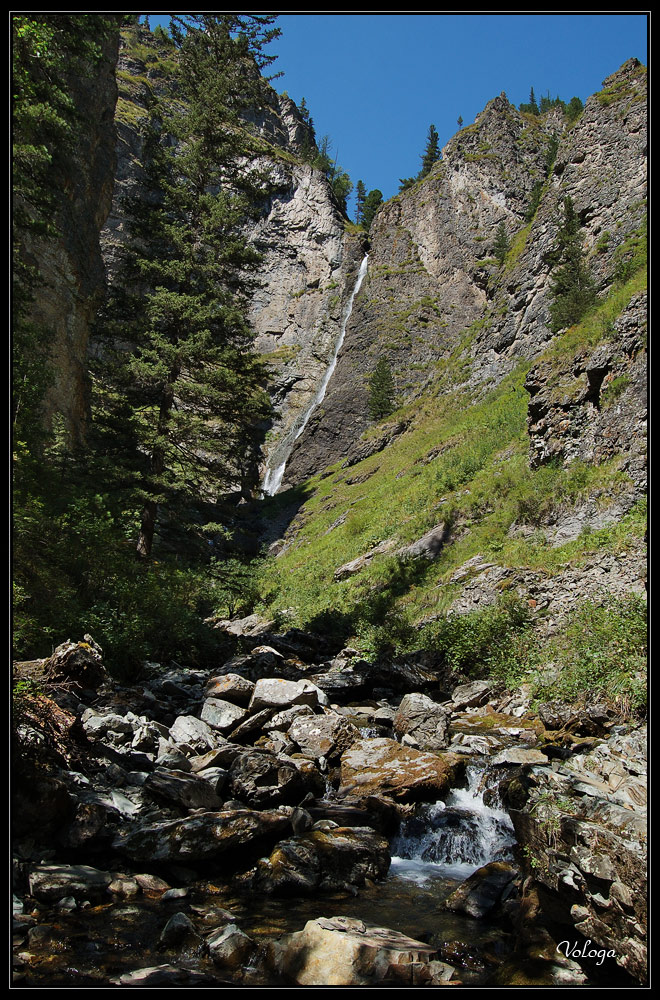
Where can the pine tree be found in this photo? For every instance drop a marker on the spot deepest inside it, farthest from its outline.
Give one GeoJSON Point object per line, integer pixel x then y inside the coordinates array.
{"type": "Point", "coordinates": [178, 362]}
{"type": "Point", "coordinates": [573, 289]}
{"type": "Point", "coordinates": [381, 390]}
{"type": "Point", "coordinates": [533, 106]}
{"type": "Point", "coordinates": [431, 153]}
{"type": "Point", "coordinates": [360, 195]}
{"type": "Point", "coordinates": [501, 245]}
{"type": "Point", "coordinates": [459, 121]}
{"type": "Point", "coordinates": [372, 203]}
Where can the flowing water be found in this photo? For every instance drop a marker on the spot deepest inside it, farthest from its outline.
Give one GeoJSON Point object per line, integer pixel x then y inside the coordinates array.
{"type": "Point", "coordinates": [273, 477]}
{"type": "Point", "coordinates": [450, 840]}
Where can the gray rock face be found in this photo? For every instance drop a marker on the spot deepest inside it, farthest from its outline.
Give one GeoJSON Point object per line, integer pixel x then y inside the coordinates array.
{"type": "Point", "coordinates": [323, 735]}
{"type": "Point", "coordinates": [222, 715]}
{"type": "Point", "coordinates": [481, 892]}
{"type": "Point", "coordinates": [424, 720]}
{"type": "Point", "coordinates": [52, 882]}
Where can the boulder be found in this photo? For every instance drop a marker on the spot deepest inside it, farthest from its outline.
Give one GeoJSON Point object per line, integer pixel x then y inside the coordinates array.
{"type": "Point", "coordinates": [50, 883]}
{"type": "Point", "coordinates": [261, 779]}
{"type": "Point", "coordinates": [195, 733]}
{"type": "Point", "coordinates": [222, 715]}
{"type": "Point", "coordinates": [77, 662]}
{"type": "Point", "coordinates": [382, 766]}
{"type": "Point", "coordinates": [325, 859]}
{"type": "Point", "coordinates": [471, 695]}
{"type": "Point", "coordinates": [189, 791]}
{"type": "Point", "coordinates": [424, 720]}
{"type": "Point", "coordinates": [276, 692]}
{"type": "Point", "coordinates": [230, 687]}
{"type": "Point", "coordinates": [230, 947]}
{"type": "Point", "coordinates": [481, 892]}
{"type": "Point", "coordinates": [200, 837]}
{"type": "Point", "coordinates": [344, 951]}
{"type": "Point", "coordinates": [323, 735]}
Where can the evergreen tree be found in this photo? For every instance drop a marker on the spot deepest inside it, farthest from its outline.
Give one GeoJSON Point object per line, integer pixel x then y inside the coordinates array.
{"type": "Point", "coordinates": [573, 289]}
{"type": "Point", "coordinates": [178, 365]}
{"type": "Point", "coordinates": [431, 153]}
{"type": "Point", "coordinates": [501, 245]}
{"type": "Point", "coordinates": [574, 109]}
{"type": "Point", "coordinates": [381, 390]}
{"type": "Point", "coordinates": [459, 121]}
{"type": "Point", "coordinates": [372, 203]}
{"type": "Point", "coordinates": [360, 195]}
{"type": "Point", "coordinates": [533, 106]}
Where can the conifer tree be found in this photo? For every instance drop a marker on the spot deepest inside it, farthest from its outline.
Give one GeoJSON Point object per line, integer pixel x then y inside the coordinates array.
{"type": "Point", "coordinates": [372, 203]}
{"type": "Point", "coordinates": [178, 362]}
{"type": "Point", "coordinates": [573, 289]}
{"type": "Point", "coordinates": [501, 245]}
{"type": "Point", "coordinates": [360, 195]}
{"type": "Point", "coordinates": [381, 390]}
{"type": "Point", "coordinates": [432, 151]}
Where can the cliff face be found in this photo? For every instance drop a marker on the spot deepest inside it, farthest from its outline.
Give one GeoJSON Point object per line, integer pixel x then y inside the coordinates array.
{"type": "Point", "coordinates": [433, 287]}
{"type": "Point", "coordinates": [308, 262]}
{"type": "Point", "coordinates": [70, 266]}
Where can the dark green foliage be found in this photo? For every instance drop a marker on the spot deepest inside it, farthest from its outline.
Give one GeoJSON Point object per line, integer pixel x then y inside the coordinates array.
{"type": "Point", "coordinates": [381, 390]}
{"type": "Point", "coordinates": [574, 109]}
{"type": "Point", "coordinates": [431, 153]}
{"type": "Point", "coordinates": [372, 203]}
{"type": "Point", "coordinates": [534, 201]}
{"type": "Point", "coordinates": [177, 369]}
{"type": "Point", "coordinates": [360, 195]}
{"type": "Point", "coordinates": [573, 289]}
{"type": "Point", "coordinates": [501, 245]}
{"type": "Point", "coordinates": [459, 121]}
{"type": "Point", "coordinates": [405, 183]}
{"type": "Point", "coordinates": [341, 184]}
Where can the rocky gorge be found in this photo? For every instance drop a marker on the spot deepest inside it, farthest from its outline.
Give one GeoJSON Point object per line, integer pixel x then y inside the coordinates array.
{"type": "Point", "coordinates": [411, 748]}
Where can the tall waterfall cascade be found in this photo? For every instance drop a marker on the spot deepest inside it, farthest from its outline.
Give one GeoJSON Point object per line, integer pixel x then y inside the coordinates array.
{"type": "Point", "coordinates": [273, 477]}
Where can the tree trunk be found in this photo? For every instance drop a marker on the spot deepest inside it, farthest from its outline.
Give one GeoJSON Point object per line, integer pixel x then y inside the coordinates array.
{"type": "Point", "coordinates": [147, 527]}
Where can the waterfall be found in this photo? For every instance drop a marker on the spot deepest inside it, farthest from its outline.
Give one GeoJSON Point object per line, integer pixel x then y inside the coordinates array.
{"type": "Point", "coordinates": [273, 477]}
{"type": "Point", "coordinates": [453, 838]}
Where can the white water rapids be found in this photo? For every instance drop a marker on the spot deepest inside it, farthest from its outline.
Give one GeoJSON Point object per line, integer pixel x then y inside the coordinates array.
{"type": "Point", "coordinates": [453, 838]}
{"type": "Point", "coordinates": [273, 477]}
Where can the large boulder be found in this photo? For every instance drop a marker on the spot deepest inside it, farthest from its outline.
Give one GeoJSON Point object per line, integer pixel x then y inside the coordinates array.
{"type": "Point", "coordinates": [48, 883]}
{"type": "Point", "coordinates": [481, 892]}
{"type": "Point", "coordinates": [382, 766]}
{"type": "Point", "coordinates": [80, 663]}
{"type": "Point", "coordinates": [276, 692]}
{"type": "Point", "coordinates": [200, 837]}
{"type": "Point", "coordinates": [345, 951]}
{"type": "Point", "coordinates": [423, 720]}
{"type": "Point", "coordinates": [195, 733]}
{"type": "Point", "coordinates": [323, 735]}
{"type": "Point", "coordinates": [261, 779]}
{"type": "Point", "coordinates": [222, 715]}
{"type": "Point", "coordinates": [185, 790]}
{"type": "Point", "coordinates": [325, 859]}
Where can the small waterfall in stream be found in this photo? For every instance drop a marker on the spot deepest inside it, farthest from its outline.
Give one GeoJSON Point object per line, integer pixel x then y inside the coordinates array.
{"type": "Point", "coordinates": [273, 477]}
{"type": "Point", "coordinates": [453, 838]}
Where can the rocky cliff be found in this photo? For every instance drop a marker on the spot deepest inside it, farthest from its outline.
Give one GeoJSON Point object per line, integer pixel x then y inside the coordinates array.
{"type": "Point", "coordinates": [70, 267]}
{"type": "Point", "coordinates": [433, 286]}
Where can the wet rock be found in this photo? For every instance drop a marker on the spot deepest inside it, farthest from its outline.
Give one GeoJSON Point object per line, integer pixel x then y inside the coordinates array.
{"type": "Point", "coordinates": [200, 837]}
{"type": "Point", "coordinates": [326, 859]}
{"type": "Point", "coordinates": [343, 951]}
{"type": "Point", "coordinates": [424, 720]}
{"type": "Point", "coordinates": [163, 975]}
{"type": "Point", "coordinates": [151, 884]}
{"type": "Point", "coordinates": [481, 892]}
{"type": "Point", "coordinates": [49, 883]}
{"type": "Point", "coordinates": [407, 775]}
{"type": "Point", "coordinates": [229, 947]}
{"type": "Point", "coordinates": [176, 930]}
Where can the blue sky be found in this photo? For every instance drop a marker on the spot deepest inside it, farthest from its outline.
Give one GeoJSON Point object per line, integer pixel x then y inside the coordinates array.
{"type": "Point", "coordinates": [375, 82]}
